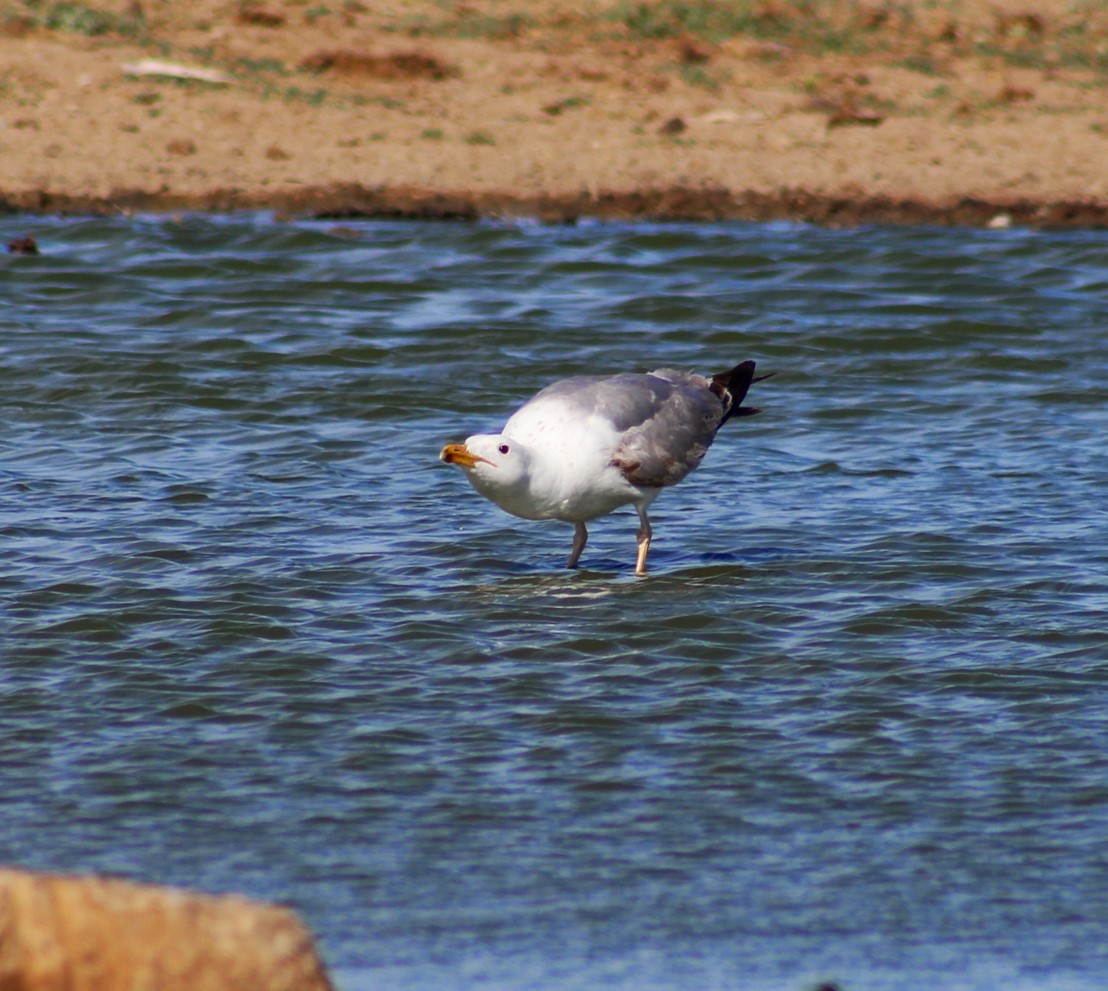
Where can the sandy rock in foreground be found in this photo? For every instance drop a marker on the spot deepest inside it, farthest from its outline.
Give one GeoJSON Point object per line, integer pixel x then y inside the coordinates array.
{"type": "Point", "coordinates": [93, 933]}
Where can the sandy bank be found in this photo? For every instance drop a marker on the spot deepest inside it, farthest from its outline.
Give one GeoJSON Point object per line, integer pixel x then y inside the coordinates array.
{"type": "Point", "coordinates": [832, 112]}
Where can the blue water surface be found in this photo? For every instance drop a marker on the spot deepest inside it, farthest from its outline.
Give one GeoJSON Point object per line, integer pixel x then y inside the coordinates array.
{"type": "Point", "coordinates": [853, 727]}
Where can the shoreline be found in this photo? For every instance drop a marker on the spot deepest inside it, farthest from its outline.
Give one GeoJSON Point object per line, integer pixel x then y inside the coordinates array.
{"type": "Point", "coordinates": [676, 204]}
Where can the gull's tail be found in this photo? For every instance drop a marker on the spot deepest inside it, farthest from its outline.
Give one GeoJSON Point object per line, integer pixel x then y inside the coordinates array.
{"type": "Point", "coordinates": [732, 386]}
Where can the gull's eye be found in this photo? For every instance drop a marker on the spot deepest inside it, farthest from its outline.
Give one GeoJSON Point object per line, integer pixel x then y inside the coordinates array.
{"type": "Point", "coordinates": [503, 448]}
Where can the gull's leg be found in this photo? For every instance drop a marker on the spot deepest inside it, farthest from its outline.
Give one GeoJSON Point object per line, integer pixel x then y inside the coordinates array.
{"type": "Point", "coordinates": [644, 535]}
{"type": "Point", "coordinates": [580, 535]}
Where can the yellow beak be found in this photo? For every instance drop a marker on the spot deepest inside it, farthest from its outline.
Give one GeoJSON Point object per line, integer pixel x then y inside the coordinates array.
{"type": "Point", "coordinates": [459, 454]}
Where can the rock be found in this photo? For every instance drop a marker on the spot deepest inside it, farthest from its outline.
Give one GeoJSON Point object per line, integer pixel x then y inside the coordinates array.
{"type": "Point", "coordinates": [691, 52]}
{"type": "Point", "coordinates": [259, 17]}
{"type": "Point", "coordinates": [181, 146]}
{"type": "Point", "coordinates": [174, 70]}
{"type": "Point", "coordinates": [94, 933]}
{"type": "Point", "coordinates": [1010, 93]}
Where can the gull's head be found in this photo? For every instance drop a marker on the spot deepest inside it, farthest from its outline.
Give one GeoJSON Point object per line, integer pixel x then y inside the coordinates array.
{"type": "Point", "coordinates": [495, 465]}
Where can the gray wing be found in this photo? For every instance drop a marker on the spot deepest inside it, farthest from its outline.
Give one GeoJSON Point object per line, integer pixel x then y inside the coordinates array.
{"type": "Point", "coordinates": [666, 420]}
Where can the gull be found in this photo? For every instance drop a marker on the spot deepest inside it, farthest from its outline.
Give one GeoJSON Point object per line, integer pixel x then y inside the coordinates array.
{"type": "Point", "coordinates": [584, 446]}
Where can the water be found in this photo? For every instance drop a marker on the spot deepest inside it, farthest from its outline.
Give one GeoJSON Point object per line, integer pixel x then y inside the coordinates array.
{"type": "Point", "coordinates": [853, 727]}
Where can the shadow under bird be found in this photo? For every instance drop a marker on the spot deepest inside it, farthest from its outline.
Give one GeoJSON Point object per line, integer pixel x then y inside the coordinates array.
{"type": "Point", "coordinates": [585, 446]}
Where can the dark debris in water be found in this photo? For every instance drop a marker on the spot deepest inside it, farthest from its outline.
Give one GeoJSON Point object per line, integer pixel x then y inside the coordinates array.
{"type": "Point", "coordinates": [23, 246]}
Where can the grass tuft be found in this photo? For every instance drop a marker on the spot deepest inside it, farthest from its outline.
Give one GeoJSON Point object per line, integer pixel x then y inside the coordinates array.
{"type": "Point", "coordinates": [479, 138]}
{"type": "Point", "coordinates": [76, 18]}
{"type": "Point", "coordinates": [470, 24]}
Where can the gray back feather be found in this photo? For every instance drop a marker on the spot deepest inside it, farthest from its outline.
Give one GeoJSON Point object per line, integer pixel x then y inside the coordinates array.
{"type": "Point", "coordinates": [667, 419]}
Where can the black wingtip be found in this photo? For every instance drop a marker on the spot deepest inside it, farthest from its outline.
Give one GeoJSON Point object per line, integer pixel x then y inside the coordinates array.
{"type": "Point", "coordinates": [736, 383]}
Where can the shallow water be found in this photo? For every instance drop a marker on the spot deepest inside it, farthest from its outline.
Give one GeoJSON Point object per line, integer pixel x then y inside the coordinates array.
{"type": "Point", "coordinates": [853, 727]}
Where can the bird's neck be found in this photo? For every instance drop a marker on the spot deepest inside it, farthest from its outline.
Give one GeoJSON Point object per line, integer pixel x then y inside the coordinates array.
{"type": "Point", "coordinates": [538, 494]}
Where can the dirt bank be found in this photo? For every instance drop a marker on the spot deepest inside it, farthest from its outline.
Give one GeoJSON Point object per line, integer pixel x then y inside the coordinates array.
{"type": "Point", "coordinates": [835, 112]}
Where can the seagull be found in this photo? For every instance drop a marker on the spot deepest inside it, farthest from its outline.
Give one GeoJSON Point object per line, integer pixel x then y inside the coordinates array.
{"type": "Point", "coordinates": [584, 446]}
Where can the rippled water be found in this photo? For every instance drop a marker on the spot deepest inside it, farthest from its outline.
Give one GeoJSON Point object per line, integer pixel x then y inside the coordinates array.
{"type": "Point", "coordinates": [853, 727]}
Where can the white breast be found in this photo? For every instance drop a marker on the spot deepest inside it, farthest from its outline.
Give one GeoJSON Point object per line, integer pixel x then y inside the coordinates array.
{"type": "Point", "coordinates": [571, 471]}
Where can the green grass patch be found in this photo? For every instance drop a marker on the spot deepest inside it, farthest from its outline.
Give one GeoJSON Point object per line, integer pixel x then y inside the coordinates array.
{"type": "Point", "coordinates": [847, 27]}
{"type": "Point", "coordinates": [248, 66]}
{"type": "Point", "coordinates": [1018, 58]}
{"type": "Point", "coordinates": [75, 18]}
{"type": "Point", "coordinates": [923, 64]}
{"type": "Point", "coordinates": [708, 19]}
{"type": "Point", "coordinates": [559, 107]}
{"type": "Point", "coordinates": [468, 24]}
{"type": "Point", "coordinates": [1091, 58]}
{"type": "Point", "coordinates": [804, 22]}
{"type": "Point", "coordinates": [295, 94]}
{"type": "Point", "coordinates": [701, 76]}
{"type": "Point", "coordinates": [479, 138]}
{"type": "Point", "coordinates": [1074, 51]}
{"type": "Point", "coordinates": [473, 25]}
{"type": "Point", "coordinates": [388, 102]}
